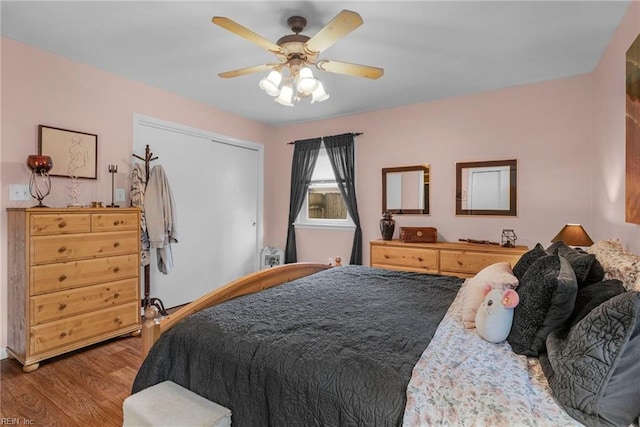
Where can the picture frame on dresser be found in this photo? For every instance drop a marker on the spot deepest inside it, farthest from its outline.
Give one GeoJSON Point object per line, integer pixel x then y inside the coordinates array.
{"type": "Point", "coordinates": [74, 153]}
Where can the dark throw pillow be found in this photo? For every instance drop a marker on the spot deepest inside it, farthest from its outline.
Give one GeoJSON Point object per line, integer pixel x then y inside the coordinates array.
{"type": "Point", "coordinates": [547, 296]}
{"type": "Point", "coordinates": [587, 268]}
{"type": "Point", "coordinates": [591, 296]}
{"type": "Point", "coordinates": [527, 259]}
{"type": "Point", "coordinates": [594, 372]}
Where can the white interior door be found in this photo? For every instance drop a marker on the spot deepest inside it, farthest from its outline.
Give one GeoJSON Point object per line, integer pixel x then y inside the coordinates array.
{"type": "Point", "coordinates": [234, 201]}
{"type": "Point", "coordinates": [217, 188]}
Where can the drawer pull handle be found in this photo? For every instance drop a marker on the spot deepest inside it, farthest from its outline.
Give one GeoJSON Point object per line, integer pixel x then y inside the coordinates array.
{"type": "Point", "coordinates": [116, 295]}
{"type": "Point", "coordinates": [62, 278]}
{"type": "Point", "coordinates": [117, 320]}
{"type": "Point", "coordinates": [63, 334]}
{"type": "Point", "coordinates": [116, 244]}
{"type": "Point", "coordinates": [62, 306]}
{"type": "Point", "coordinates": [117, 269]}
{"type": "Point", "coordinates": [62, 224]}
{"type": "Point", "coordinates": [62, 249]}
{"type": "Point", "coordinates": [116, 222]}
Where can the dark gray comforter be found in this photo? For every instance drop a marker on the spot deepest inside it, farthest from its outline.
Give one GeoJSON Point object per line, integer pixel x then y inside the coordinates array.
{"type": "Point", "coordinates": [333, 349]}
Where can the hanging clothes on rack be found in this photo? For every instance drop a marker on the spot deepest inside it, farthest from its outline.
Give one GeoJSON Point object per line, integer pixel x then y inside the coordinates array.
{"type": "Point", "coordinates": [138, 185]}
{"type": "Point", "coordinates": [160, 216]}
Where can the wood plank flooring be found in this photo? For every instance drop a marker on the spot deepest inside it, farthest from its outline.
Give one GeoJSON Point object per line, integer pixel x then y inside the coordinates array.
{"type": "Point", "coordinates": [82, 388]}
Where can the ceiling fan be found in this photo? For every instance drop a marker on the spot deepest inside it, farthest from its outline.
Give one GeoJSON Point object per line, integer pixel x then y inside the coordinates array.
{"type": "Point", "coordinates": [296, 52]}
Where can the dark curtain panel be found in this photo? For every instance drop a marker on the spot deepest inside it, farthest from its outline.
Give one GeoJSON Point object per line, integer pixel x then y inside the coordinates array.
{"type": "Point", "coordinates": [340, 149]}
{"type": "Point", "coordinates": [305, 154]}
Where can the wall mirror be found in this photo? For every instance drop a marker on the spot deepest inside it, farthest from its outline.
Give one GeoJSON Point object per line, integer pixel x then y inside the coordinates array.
{"type": "Point", "coordinates": [486, 188]}
{"type": "Point", "coordinates": [405, 190]}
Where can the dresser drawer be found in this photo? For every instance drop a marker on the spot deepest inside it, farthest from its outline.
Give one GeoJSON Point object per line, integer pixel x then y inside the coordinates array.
{"type": "Point", "coordinates": [408, 259]}
{"type": "Point", "coordinates": [58, 305]}
{"type": "Point", "coordinates": [45, 249]}
{"type": "Point", "coordinates": [469, 263]}
{"type": "Point", "coordinates": [65, 332]}
{"type": "Point", "coordinates": [114, 221]}
{"type": "Point", "coordinates": [60, 223]}
{"type": "Point", "coordinates": [67, 275]}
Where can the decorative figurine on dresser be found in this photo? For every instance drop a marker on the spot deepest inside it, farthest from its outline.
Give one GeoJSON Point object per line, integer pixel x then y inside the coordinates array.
{"type": "Point", "coordinates": [74, 279]}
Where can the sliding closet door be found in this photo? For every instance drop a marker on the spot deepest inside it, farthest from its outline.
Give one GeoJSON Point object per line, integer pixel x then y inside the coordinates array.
{"type": "Point", "coordinates": [217, 188]}
{"type": "Point", "coordinates": [234, 203]}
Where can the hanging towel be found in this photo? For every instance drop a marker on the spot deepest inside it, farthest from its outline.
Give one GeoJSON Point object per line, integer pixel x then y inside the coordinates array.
{"type": "Point", "coordinates": [160, 213]}
{"type": "Point", "coordinates": [138, 184]}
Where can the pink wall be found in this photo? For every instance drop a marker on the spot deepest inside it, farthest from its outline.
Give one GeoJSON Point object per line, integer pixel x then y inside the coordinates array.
{"type": "Point", "coordinates": [609, 94]}
{"type": "Point", "coordinates": [547, 127]}
{"type": "Point", "coordinates": [42, 88]}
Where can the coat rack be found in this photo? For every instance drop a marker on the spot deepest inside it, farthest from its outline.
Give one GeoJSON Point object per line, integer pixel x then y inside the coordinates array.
{"type": "Point", "coordinates": [149, 302]}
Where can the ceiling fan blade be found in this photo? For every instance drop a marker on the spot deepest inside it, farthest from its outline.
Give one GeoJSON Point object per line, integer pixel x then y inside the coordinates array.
{"type": "Point", "coordinates": [350, 69]}
{"type": "Point", "coordinates": [246, 33]}
{"type": "Point", "coordinates": [247, 70]}
{"type": "Point", "coordinates": [343, 23]}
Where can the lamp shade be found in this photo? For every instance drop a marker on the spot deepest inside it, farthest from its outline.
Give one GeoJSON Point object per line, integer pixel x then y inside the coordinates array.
{"type": "Point", "coordinates": [285, 97]}
{"type": "Point", "coordinates": [270, 83]}
{"type": "Point", "coordinates": [39, 163]}
{"type": "Point", "coordinates": [306, 83]}
{"type": "Point", "coordinates": [573, 235]}
{"type": "Point", "coordinates": [319, 94]}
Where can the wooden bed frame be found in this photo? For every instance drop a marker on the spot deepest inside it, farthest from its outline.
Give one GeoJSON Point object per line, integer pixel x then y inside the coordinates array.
{"type": "Point", "coordinates": [153, 328]}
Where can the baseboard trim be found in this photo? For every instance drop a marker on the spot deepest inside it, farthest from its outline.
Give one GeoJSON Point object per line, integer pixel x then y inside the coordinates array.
{"type": "Point", "coordinates": [3, 353]}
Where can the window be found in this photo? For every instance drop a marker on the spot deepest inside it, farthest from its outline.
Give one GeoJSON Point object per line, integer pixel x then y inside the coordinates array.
{"type": "Point", "coordinates": [324, 205]}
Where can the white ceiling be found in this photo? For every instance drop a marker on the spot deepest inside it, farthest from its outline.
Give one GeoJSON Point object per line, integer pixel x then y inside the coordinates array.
{"type": "Point", "coordinates": [429, 49]}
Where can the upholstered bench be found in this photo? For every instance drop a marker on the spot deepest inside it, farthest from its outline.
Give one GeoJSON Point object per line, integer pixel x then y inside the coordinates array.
{"type": "Point", "coordinates": [168, 404]}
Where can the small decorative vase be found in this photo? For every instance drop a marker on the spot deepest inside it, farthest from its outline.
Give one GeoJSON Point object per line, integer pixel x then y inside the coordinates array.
{"type": "Point", "coordinates": [387, 226]}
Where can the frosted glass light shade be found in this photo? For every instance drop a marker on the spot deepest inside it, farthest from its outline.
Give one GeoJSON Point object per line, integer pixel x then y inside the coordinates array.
{"type": "Point", "coordinates": [286, 94]}
{"type": "Point", "coordinates": [319, 95]}
{"type": "Point", "coordinates": [270, 83]}
{"type": "Point", "coordinates": [306, 83]}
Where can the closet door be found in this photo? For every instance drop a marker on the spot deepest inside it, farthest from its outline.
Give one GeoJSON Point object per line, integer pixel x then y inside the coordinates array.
{"type": "Point", "coordinates": [217, 189]}
{"type": "Point", "coordinates": [234, 202]}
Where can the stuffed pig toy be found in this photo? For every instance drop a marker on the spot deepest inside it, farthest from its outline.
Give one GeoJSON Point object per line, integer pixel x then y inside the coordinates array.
{"type": "Point", "coordinates": [495, 315]}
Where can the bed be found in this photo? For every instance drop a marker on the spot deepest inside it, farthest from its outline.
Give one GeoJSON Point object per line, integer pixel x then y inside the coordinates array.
{"type": "Point", "coordinates": [303, 344]}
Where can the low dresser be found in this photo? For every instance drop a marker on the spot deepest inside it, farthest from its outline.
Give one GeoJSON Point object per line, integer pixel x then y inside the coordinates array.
{"type": "Point", "coordinates": [452, 258]}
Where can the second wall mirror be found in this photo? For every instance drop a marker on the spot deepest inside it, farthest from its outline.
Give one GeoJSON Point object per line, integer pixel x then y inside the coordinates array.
{"type": "Point", "coordinates": [486, 188]}
{"type": "Point", "coordinates": [405, 190]}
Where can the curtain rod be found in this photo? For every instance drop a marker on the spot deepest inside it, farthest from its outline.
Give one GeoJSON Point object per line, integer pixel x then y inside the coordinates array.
{"type": "Point", "coordinates": [354, 134]}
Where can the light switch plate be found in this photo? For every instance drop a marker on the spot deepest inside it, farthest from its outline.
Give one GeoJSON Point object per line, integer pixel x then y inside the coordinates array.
{"type": "Point", "coordinates": [19, 192]}
{"type": "Point", "coordinates": [120, 194]}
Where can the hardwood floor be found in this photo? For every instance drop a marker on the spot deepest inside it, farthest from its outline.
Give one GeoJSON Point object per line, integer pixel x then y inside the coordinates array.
{"type": "Point", "coordinates": [82, 388]}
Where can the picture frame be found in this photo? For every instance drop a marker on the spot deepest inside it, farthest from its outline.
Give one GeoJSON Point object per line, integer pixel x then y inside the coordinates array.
{"type": "Point", "coordinates": [632, 132]}
{"type": "Point", "coordinates": [74, 153]}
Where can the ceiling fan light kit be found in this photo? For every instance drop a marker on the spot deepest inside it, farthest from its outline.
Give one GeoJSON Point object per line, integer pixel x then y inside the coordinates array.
{"type": "Point", "coordinates": [296, 53]}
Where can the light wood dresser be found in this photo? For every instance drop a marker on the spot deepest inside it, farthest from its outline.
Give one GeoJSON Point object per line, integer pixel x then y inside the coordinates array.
{"type": "Point", "coordinates": [74, 279]}
{"type": "Point", "coordinates": [453, 258]}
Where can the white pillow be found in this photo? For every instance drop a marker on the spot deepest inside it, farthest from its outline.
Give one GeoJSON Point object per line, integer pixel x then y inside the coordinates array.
{"type": "Point", "coordinates": [498, 275]}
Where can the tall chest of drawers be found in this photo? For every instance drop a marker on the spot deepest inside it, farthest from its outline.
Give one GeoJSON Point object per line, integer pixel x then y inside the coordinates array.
{"type": "Point", "coordinates": [74, 279]}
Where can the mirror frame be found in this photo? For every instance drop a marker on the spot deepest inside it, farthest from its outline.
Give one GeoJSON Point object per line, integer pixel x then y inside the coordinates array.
{"type": "Point", "coordinates": [512, 164]}
{"type": "Point", "coordinates": [424, 168]}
